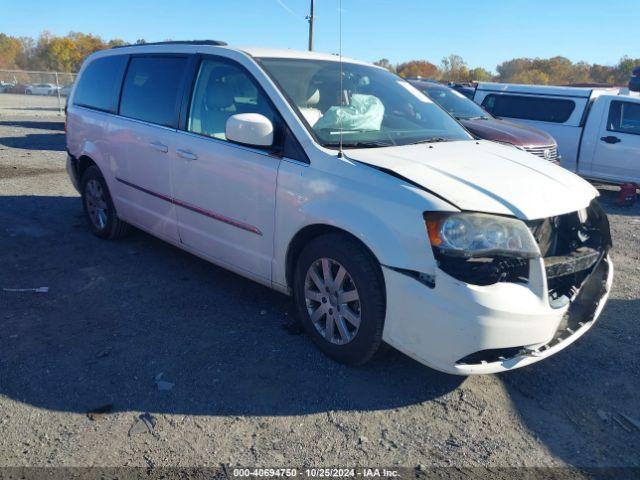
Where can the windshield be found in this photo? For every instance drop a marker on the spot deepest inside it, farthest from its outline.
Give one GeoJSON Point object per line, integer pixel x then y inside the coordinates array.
{"type": "Point", "coordinates": [374, 108]}
{"type": "Point", "coordinates": [455, 103]}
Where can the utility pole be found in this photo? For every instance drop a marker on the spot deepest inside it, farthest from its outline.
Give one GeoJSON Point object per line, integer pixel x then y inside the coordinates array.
{"type": "Point", "coordinates": [310, 18]}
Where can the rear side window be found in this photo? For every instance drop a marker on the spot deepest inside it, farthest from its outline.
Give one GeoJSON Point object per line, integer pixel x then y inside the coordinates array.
{"type": "Point", "coordinates": [100, 82]}
{"type": "Point", "coordinates": [555, 110]}
{"type": "Point", "coordinates": [624, 117]}
{"type": "Point", "coordinates": [152, 89]}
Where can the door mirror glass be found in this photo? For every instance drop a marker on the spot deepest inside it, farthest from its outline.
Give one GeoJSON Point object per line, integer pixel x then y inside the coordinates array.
{"type": "Point", "coordinates": [251, 129]}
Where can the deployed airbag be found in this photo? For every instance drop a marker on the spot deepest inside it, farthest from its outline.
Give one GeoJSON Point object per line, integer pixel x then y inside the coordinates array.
{"type": "Point", "coordinates": [364, 113]}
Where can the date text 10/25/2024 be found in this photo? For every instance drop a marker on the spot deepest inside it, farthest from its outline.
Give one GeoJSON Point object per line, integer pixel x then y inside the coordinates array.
{"type": "Point", "coordinates": [316, 472]}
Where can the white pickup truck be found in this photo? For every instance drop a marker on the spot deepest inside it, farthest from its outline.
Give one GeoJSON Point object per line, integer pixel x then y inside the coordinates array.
{"type": "Point", "coordinates": [597, 129]}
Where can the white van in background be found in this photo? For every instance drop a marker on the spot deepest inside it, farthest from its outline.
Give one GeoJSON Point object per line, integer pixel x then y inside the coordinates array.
{"type": "Point", "coordinates": [597, 130]}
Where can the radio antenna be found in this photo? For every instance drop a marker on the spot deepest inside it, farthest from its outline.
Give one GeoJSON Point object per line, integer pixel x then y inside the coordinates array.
{"type": "Point", "coordinates": [340, 152]}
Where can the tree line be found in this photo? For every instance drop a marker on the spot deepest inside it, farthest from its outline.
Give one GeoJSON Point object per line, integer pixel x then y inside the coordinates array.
{"type": "Point", "coordinates": [66, 53]}
{"type": "Point", "coordinates": [50, 52]}
{"type": "Point", "coordinates": [550, 71]}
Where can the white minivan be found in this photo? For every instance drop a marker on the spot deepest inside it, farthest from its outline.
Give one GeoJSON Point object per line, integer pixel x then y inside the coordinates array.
{"type": "Point", "coordinates": [339, 183]}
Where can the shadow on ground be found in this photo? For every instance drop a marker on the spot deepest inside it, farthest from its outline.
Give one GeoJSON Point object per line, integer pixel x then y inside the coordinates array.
{"type": "Point", "coordinates": [119, 314]}
{"type": "Point", "coordinates": [573, 401]}
{"type": "Point", "coordinates": [35, 124]}
{"type": "Point", "coordinates": [36, 141]}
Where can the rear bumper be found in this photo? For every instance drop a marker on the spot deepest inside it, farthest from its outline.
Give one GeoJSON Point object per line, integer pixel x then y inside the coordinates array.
{"type": "Point", "coordinates": [441, 326]}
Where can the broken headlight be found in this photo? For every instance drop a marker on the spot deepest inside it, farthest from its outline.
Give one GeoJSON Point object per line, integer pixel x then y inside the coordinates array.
{"type": "Point", "coordinates": [481, 249]}
{"type": "Point", "coordinates": [470, 235]}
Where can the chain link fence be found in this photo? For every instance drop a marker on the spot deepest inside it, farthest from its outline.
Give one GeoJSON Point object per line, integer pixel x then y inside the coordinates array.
{"type": "Point", "coordinates": [31, 92]}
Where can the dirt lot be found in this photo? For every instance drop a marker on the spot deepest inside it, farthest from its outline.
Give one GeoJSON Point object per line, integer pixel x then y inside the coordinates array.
{"type": "Point", "coordinates": [18, 105]}
{"type": "Point", "coordinates": [243, 385]}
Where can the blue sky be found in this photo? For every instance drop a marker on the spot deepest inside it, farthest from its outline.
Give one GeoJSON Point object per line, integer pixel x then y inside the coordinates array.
{"type": "Point", "coordinates": [483, 32]}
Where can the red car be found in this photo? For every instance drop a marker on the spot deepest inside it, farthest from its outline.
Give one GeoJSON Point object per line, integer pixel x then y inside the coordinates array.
{"type": "Point", "coordinates": [484, 125]}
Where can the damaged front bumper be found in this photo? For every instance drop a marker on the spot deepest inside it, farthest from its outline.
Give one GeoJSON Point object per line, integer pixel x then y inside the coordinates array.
{"type": "Point", "coordinates": [467, 329]}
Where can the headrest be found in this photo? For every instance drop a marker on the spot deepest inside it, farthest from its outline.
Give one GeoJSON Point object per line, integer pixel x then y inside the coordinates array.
{"type": "Point", "coordinates": [307, 98]}
{"type": "Point", "coordinates": [219, 93]}
{"type": "Point", "coordinates": [313, 97]}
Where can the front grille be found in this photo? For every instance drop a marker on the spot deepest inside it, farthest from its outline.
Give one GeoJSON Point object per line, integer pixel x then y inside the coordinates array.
{"type": "Point", "coordinates": [549, 152]}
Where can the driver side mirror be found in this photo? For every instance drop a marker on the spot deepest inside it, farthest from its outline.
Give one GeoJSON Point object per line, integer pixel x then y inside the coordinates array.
{"type": "Point", "coordinates": [250, 129]}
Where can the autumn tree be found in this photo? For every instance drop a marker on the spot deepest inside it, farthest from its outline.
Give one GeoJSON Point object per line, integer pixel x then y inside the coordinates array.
{"type": "Point", "coordinates": [10, 51]}
{"type": "Point", "coordinates": [532, 76]}
{"type": "Point", "coordinates": [418, 68]}
{"type": "Point", "coordinates": [562, 71]}
{"type": "Point", "coordinates": [454, 69]}
{"type": "Point", "coordinates": [602, 73]}
{"type": "Point", "coordinates": [509, 69]}
{"type": "Point", "coordinates": [479, 74]}
{"type": "Point", "coordinates": [50, 52]}
{"type": "Point", "coordinates": [624, 68]}
{"type": "Point", "coordinates": [385, 63]}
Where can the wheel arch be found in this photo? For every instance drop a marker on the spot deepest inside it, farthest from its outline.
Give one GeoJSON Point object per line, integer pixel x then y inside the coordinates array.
{"type": "Point", "coordinates": [84, 162]}
{"type": "Point", "coordinates": [393, 237]}
{"type": "Point", "coordinates": [309, 233]}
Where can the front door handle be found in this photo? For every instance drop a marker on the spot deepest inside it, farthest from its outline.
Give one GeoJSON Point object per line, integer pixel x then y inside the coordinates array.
{"type": "Point", "coordinates": [186, 154]}
{"type": "Point", "coordinates": [161, 147]}
{"type": "Point", "coordinates": [611, 139]}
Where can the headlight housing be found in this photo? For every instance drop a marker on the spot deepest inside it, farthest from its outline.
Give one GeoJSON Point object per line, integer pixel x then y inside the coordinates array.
{"type": "Point", "coordinates": [469, 235]}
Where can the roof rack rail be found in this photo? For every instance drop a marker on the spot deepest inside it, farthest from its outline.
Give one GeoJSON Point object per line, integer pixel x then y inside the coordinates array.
{"type": "Point", "coordinates": [217, 43]}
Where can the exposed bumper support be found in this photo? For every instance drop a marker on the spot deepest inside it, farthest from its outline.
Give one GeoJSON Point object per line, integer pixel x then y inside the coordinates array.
{"type": "Point", "coordinates": [581, 315]}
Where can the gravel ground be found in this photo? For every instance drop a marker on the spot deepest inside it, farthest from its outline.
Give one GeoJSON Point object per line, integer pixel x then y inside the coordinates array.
{"type": "Point", "coordinates": [18, 105]}
{"type": "Point", "coordinates": [243, 386]}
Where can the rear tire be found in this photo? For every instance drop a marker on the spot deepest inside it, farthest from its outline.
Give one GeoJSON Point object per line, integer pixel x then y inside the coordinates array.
{"type": "Point", "coordinates": [98, 206]}
{"type": "Point", "coordinates": [340, 298]}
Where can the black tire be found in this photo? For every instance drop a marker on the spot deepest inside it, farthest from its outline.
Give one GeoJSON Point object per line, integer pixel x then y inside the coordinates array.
{"type": "Point", "coordinates": [113, 227]}
{"type": "Point", "coordinates": [367, 278]}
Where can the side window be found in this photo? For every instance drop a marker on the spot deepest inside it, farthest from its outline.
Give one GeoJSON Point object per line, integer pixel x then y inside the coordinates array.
{"type": "Point", "coordinates": [556, 110]}
{"type": "Point", "coordinates": [222, 90]}
{"type": "Point", "coordinates": [152, 89]}
{"type": "Point", "coordinates": [99, 84]}
{"type": "Point", "coordinates": [624, 117]}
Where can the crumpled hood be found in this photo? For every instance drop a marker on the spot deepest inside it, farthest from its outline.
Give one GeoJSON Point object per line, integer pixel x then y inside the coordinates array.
{"type": "Point", "coordinates": [485, 177]}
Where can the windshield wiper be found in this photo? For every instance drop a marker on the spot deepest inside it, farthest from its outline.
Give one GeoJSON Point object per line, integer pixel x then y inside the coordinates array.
{"type": "Point", "coordinates": [431, 140]}
{"type": "Point", "coordinates": [471, 117]}
{"type": "Point", "coordinates": [363, 144]}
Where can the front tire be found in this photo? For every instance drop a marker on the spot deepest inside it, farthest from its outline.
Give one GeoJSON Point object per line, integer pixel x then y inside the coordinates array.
{"type": "Point", "coordinates": [340, 298]}
{"type": "Point", "coordinates": [98, 206]}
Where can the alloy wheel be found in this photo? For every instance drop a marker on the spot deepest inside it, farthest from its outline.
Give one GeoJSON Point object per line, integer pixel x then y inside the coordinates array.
{"type": "Point", "coordinates": [96, 204]}
{"type": "Point", "coordinates": [332, 301]}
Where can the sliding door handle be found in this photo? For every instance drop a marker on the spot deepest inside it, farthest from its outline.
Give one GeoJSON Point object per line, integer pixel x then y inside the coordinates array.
{"type": "Point", "coordinates": [161, 147]}
{"type": "Point", "coordinates": [186, 154]}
